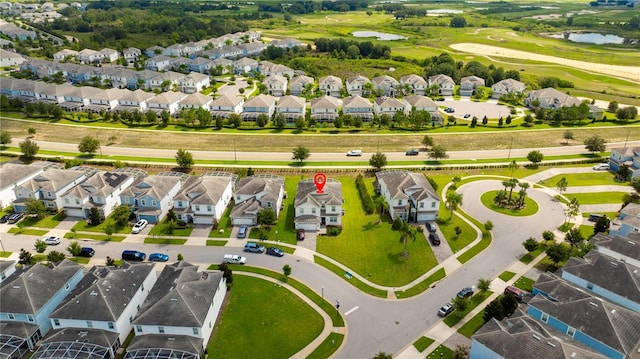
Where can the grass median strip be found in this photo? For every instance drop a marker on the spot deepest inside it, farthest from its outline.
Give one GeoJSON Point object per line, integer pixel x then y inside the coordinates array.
{"type": "Point", "coordinates": [423, 343]}
{"type": "Point", "coordinates": [472, 326]}
{"type": "Point", "coordinates": [524, 283]}
{"type": "Point", "coordinates": [161, 240]}
{"type": "Point", "coordinates": [422, 286]}
{"type": "Point", "coordinates": [216, 243]}
{"type": "Point", "coordinates": [327, 347]}
{"type": "Point", "coordinates": [349, 278]}
{"type": "Point", "coordinates": [26, 231]}
{"type": "Point", "coordinates": [476, 300]}
{"type": "Point", "coordinates": [95, 237]}
{"type": "Point", "coordinates": [506, 275]}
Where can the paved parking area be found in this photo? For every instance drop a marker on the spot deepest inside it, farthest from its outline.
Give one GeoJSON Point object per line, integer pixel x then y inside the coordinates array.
{"type": "Point", "coordinates": [478, 109]}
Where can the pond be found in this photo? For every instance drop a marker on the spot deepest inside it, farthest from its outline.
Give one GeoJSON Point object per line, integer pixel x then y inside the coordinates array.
{"type": "Point", "coordinates": [590, 38]}
{"type": "Point", "coordinates": [443, 11]}
{"type": "Point", "coordinates": [379, 35]}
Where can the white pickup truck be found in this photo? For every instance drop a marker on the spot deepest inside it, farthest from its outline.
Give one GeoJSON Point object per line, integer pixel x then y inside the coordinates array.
{"type": "Point", "coordinates": [234, 259]}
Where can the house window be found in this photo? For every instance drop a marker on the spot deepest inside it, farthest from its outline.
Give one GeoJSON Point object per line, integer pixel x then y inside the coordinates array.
{"type": "Point", "coordinates": [545, 317]}
{"type": "Point", "coordinates": [433, 205]}
{"type": "Point", "coordinates": [208, 208]}
{"type": "Point", "coordinates": [333, 219]}
{"type": "Point", "coordinates": [195, 331]}
{"type": "Point", "coordinates": [138, 329]}
{"type": "Point", "coordinates": [333, 208]}
{"type": "Point", "coordinates": [197, 207]}
{"type": "Point", "coordinates": [313, 210]}
{"type": "Point", "coordinates": [268, 204]}
{"type": "Point", "coordinates": [590, 286]}
{"type": "Point", "coordinates": [154, 203]}
{"type": "Point", "coordinates": [179, 204]}
{"type": "Point", "coordinates": [56, 322]}
{"type": "Point", "coordinates": [11, 316]}
{"type": "Point", "coordinates": [77, 201]}
{"type": "Point", "coordinates": [30, 318]}
{"type": "Point", "coordinates": [301, 210]}
{"type": "Point", "coordinates": [421, 204]}
{"type": "Point", "coordinates": [130, 319]}
{"type": "Point", "coordinates": [161, 330]}
{"type": "Point", "coordinates": [238, 198]}
{"type": "Point", "coordinates": [111, 326]}
{"type": "Point", "coordinates": [399, 202]}
{"type": "Point", "coordinates": [571, 331]}
{"type": "Point", "coordinates": [66, 286]}
{"type": "Point", "coordinates": [89, 324]}
{"type": "Point", "coordinates": [143, 202]}
{"type": "Point", "coordinates": [66, 200]}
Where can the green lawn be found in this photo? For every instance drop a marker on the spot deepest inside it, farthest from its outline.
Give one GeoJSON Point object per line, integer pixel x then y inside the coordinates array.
{"type": "Point", "coordinates": [79, 260]}
{"type": "Point", "coordinates": [328, 347]}
{"type": "Point", "coordinates": [83, 226]}
{"type": "Point", "coordinates": [610, 215]}
{"type": "Point", "coordinates": [473, 302]}
{"type": "Point", "coordinates": [441, 352]}
{"type": "Point", "coordinates": [214, 242]}
{"type": "Point", "coordinates": [448, 228]}
{"type": "Point", "coordinates": [506, 276]}
{"type": "Point", "coordinates": [530, 206]}
{"type": "Point", "coordinates": [254, 322]}
{"type": "Point", "coordinates": [423, 343]}
{"type": "Point", "coordinates": [95, 237]}
{"type": "Point", "coordinates": [586, 231]}
{"type": "Point", "coordinates": [594, 178]}
{"type": "Point", "coordinates": [160, 229]}
{"type": "Point", "coordinates": [5, 254]}
{"type": "Point", "coordinates": [160, 240]}
{"type": "Point", "coordinates": [224, 226]}
{"type": "Point", "coordinates": [50, 221]}
{"type": "Point", "coordinates": [469, 328]}
{"type": "Point", "coordinates": [352, 280]}
{"type": "Point", "coordinates": [422, 286]}
{"type": "Point", "coordinates": [598, 197]}
{"type": "Point", "coordinates": [27, 231]}
{"type": "Point", "coordinates": [524, 283]}
{"type": "Point", "coordinates": [528, 257]}
{"type": "Point", "coordinates": [478, 248]}
{"type": "Point", "coordinates": [371, 248]}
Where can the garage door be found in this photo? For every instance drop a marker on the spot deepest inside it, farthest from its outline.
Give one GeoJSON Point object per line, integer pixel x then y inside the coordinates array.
{"type": "Point", "coordinates": [203, 220]}
{"type": "Point", "coordinates": [74, 213]}
{"type": "Point", "coordinates": [308, 226]}
{"type": "Point", "coordinates": [243, 221]}
{"type": "Point", "coordinates": [424, 217]}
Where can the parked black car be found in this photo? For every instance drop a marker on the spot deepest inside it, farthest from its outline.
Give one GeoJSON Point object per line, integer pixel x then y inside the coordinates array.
{"type": "Point", "coordinates": [465, 292]}
{"type": "Point", "coordinates": [87, 252]}
{"type": "Point", "coordinates": [431, 227]}
{"type": "Point", "coordinates": [5, 218]}
{"type": "Point", "coordinates": [276, 252]}
{"type": "Point", "coordinates": [434, 239]}
{"type": "Point", "coordinates": [15, 218]}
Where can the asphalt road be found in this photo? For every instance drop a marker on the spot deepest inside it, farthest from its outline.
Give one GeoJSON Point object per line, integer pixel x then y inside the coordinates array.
{"type": "Point", "coordinates": [374, 324]}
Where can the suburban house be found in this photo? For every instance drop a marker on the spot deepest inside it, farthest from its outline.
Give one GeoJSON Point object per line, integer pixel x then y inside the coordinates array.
{"type": "Point", "coordinates": [109, 55]}
{"type": "Point", "coordinates": [254, 193]}
{"type": "Point", "coordinates": [158, 63]}
{"type": "Point", "coordinates": [259, 105]}
{"type": "Point", "coordinates": [629, 156]}
{"type": "Point", "coordinates": [470, 84]}
{"type": "Point", "coordinates": [8, 58]}
{"type": "Point", "coordinates": [408, 195]}
{"type": "Point", "coordinates": [628, 221]}
{"type": "Point", "coordinates": [151, 197]}
{"type": "Point", "coordinates": [203, 199]}
{"type": "Point", "coordinates": [202, 65]}
{"type": "Point", "coordinates": [167, 101]}
{"type": "Point", "coordinates": [286, 43]}
{"type": "Point", "coordinates": [268, 68]}
{"type": "Point", "coordinates": [193, 299]}
{"type": "Point", "coordinates": [520, 336]}
{"type": "Point", "coordinates": [166, 81]}
{"type": "Point", "coordinates": [550, 98]}
{"type": "Point", "coordinates": [606, 277]}
{"type": "Point", "coordinates": [507, 86]}
{"type": "Point", "coordinates": [423, 103]}
{"type": "Point", "coordinates": [106, 299]}
{"type": "Point", "coordinates": [87, 56]}
{"type": "Point", "coordinates": [298, 84]}
{"type": "Point", "coordinates": [78, 343]}
{"type": "Point", "coordinates": [626, 249]}
{"type": "Point", "coordinates": [330, 86]}
{"type": "Point", "coordinates": [101, 191]}
{"type": "Point", "coordinates": [7, 268]}
{"type": "Point", "coordinates": [385, 85]}
{"type": "Point", "coordinates": [224, 105]}
{"type": "Point", "coordinates": [442, 85]}
{"type": "Point", "coordinates": [324, 108]}
{"type": "Point", "coordinates": [357, 85]}
{"type": "Point", "coordinates": [389, 106]}
{"type": "Point", "coordinates": [196, 101]}
{"type": "Point", "coordinates": [106, 99]}
{"type": "Point", "coordinates": [314, 210]}
{"type": "Point", "coordinates": [356, 106]}
{"type": "Point", "coordinates": [48, 187]}
{"type": "Point", "coordinates": [220, 66]}
{"type": "Point", "coordinates": [605, 327]}
{"type": "Point", "coordinates": [276, 85]}
{"type": "Point", "coordinates": [244, 66]}
{"type": "Point", "coordinates": [291, 107]}
{"type": "Point", "coordinates": [417, 84]}
{"type": "Point", "coordinates": [80, 97]}
{"type": "Point", "coordinates": [194, 82]}
{"type": "Point", "coordinates": [135, 100]}
{"type": "Point", "coordinates": [131, 55]}
{"type": "Point", "coordinates": [13, 175]}
{"type": "Point", "coordinates": [28, 298]}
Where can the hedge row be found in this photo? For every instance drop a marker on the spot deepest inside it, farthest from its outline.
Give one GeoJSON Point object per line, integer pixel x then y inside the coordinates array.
{"type": "Point", "coordinates": [367, 202]}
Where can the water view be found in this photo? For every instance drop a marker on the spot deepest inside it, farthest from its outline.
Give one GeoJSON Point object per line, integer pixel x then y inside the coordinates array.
{"type": "Point", "coordinates": [589, 37]}
{"type": "Point", "coordinates": [379, 35]}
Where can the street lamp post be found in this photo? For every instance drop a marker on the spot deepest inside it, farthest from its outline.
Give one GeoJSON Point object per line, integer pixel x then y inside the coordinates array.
{"type": "Point", "coordinates": [276, 236]}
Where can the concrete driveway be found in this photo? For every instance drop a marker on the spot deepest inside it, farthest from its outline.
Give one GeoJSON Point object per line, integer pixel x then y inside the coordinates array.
{"type": "Point", "coordinates": [478, 109]}
{"type": "Point", "coordinates": [233, 90]}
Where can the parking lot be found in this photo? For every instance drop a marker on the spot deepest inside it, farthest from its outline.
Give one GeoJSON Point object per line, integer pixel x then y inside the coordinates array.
{"type": "Point", "coordinates": [478, 109]}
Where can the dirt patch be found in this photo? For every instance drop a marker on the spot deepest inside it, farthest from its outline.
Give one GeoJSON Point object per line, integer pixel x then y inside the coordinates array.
{"type": "Point", "coordinates": [625, 72]}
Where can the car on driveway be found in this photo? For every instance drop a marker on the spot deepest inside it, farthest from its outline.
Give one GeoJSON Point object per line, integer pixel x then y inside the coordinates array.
{"type": "Point", "coordinates": [15, 218]}
{"type": "Point", "coordinates": [242, 232]}
{"type": "Point", "coordinates": [300, 234]}
{"type": "Point", "coordinates": [87, 252]}
{"type": "Point", "coordinates": [465, 292]}
{"type": "Point", "coordinates": [158, 257]}
{"type": "Point", "coordinates": [431, 227]}
{"type": "Point", "coordinates": [446, 310]}
{"type": "Point", "coordinates": [5, 218]}
{"type": "Point", "coordinates": [449, 110]}
{"type": "Point", "coordinates": [253, 247]}
{"type": "Point", "coordinates": [52, 240]}
{"type": "Point", "coordinates": [413, 152]}
{"type": "Point", "coordinates": [434, 239]}
{"type": "Point", "coordinates": [276, 252]}
{"type": "Point", "coordinates": [139, 226]}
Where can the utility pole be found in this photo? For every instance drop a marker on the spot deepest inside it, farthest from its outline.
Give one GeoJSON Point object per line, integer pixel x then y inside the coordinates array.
{"type": "Point", "coordinates": [235, 156]}
{"type": "Point", "coordinates": [510, 145]}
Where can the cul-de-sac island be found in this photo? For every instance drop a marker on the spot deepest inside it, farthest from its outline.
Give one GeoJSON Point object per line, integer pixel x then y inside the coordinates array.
{"type": "Point", "coordinates": [319, 179]}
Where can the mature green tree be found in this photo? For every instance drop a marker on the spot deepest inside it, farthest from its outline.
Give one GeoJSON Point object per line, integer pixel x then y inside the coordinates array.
{"type": "Point", "coordinates": [427, 141]}
{"type": "Point", "coordinates": [509, 304]}
{"type": "Point", "coordinates": [595, 144]}
{"type": "Point", "coordinates": [40, 246]}
{"type": "Point", "coordinates": [55, 256]}
{"type": "Point", "coordinates": [613, 106]}
{"type": "Point", "coordinates": [535, 157]}
{"type": "Point", "coordinates": [301, 153]}
{"type": "Point", "coordinates": [562, 184]}
{"type": "Point", "coordinates": [454, 199]}
{"type": "Point", "coordinates": [438, 152]}
{"type": "Point", "coordinates": [29, 149]}
{"type": "Point", "coordinates": [25, 257]}
{"type": "Point", "coordinates": [279, 121]}
{"type": "Point", "coordinates": [483, 285]}
{"type": "Point", "coordinates": [94, 216]}
{"type": "Point", "coordinates": [568, 136]}
{"type": "Point", "coordinates": [35, 207]}
{"type": "Point", "coordinates": [120, 215]}
{"type": "Point", "coordinates": [602, 225]}
{"type": "Point", "coordinates": [531, 244]}
{"type": "Point", "coordinates": [624, 173]}
{"type": "Point", "coordinates": [88, 145]}
{"type": "Point", "coordinates": [5, 137]}
{"type": "Point", "coordinates": [572, 209]}
{"type": "Point", "coordinates": [378, 160]}
{"type": "Point", "coordinates": [635, 183]}
{"type": "Point", "coordinates": [460, 305]}
{"type": "Point", "coordinates": [493, 310]}
{"type": "Point", "coordinates": [184, 159]}
{"type": "Point", "coordinates": [458, 21]}
{"type": "Point", "coordinates": [574, 237]}
{"type": "Point", "coordinates": [74, 248]}
{"type": "Point", "coordinates": [557, 252]}
{"type": "Point", "coordinates": [266, 216]}
{"type": "Point", "coordinates": [286, 270]}
{"type": "Point", "coordinates": [548, 236]}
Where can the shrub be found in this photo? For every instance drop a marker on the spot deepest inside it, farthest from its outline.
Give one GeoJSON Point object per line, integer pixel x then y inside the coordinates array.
{"type": "Point", "coordinates": [334, 230]}
{"type": "Point", "coordinates": [367, 202]}
{"type": "Point", "coordinates": [397, 223]}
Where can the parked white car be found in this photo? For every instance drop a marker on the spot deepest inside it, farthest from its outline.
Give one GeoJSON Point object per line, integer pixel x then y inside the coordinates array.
{"type": "Point", "coordinates": [601, 167]}
{"type": "Point", "coordinates": [52, 241]}
{"type": "Point", "coordinates": [139, 226]}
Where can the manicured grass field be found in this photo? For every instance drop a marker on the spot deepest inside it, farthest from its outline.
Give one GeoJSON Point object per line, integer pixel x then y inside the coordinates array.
{"type": "Point", "coordinates": [441, 352]}
{"type": "Point", "coordinates": [524, 283]}
{"type": "Point", "coordinates": [530, 207]}
{"type": "Point", "coordinates": [353, 280]}
{"type": "Point", "coordinates": [5, 254]}
{"type": "Point", "coordinates": [213, 242]}
{"type": "Point", "coordinates": [95, 237]}
{"type": "Point", "coordinates": [595, 178]}
{"type": "Point", "coordinates": [30, 232]}
{"type": "Point", "coordinates": [470, 327]}
{"type": "Point", "coordinates": [160, 240]}
{"type": "Point", "coordinates": [160, 230]}
{"type": "Point", "coordinates": [372, 248]}
{"type": "Point", "coordinates": [259, 314]}
{"type": "Point", "coordinates": [50, 221]}
{"type": "Point", "coordinates": [530, 256]}
{"type": "Point", "coordinates": [328, 347]}
{"type": "Point", "coordinates": [423, 343]}
{"type": "Point", "coordinates": [598, 198]}
{"type": "Point", "coordinates": [83, 226]}
{"type": "Point", "coordinates": [422, 286]}
{"type": "Point", "coordinates": [506, 276]}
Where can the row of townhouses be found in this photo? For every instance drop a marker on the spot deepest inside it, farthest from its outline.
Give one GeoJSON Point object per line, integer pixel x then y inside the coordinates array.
{"type": "Point", "coordinates": [590, 308]}
{"type": "Point", "coordinates": [202, 199]}
{"type": "Point", "coordinates": [61, 311]}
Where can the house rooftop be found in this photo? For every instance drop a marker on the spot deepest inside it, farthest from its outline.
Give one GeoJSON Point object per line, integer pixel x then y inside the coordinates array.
{"type": "Point", "coordinates": [403, 183]}
{"type": "Point", "coordinates": [628, 246]}
{"type": "Point", "coordinates": [174, 346]}
{"type": "Point", "coordinates": [10, 173]}
{"type": "Point", "coordinates": [307, 191]}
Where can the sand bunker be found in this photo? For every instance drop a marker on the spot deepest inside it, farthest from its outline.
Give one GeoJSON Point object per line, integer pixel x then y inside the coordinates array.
{"type": "Point", "coordinates": [625, 72]}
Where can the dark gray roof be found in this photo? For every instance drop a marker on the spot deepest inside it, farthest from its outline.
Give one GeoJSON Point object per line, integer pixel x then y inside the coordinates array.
{"type": "Point", "coordinates": [524, 338]}
{"type": "Point", "coordinates": [608, 323]}
{"type": "Point", "coordinates": [628, 246]}
{"type": "Point", "coordinates": [6, 264]}
{"type": "Point", "coordinates": [22, 330]}
{"type": "Point", "coordinates": [606, 272]}
{"type": "Point", "coordinates": [29, 289]}
{"type": "Point", "coordinates": [557, 289]}
{"type": "Point", "coordinates": [402, 183]}
{"type": "Point", "coordinates": [307, 191]}
{"type": "Point", "coordinates": [10, 173]}
{"type": "Point", "coordinates": [99, 337]}
{"type": "Point", "coordinates": [103, 293]}
{"type": "Point", "coordinates": [270, 186]}
{"type": "Point", "coordinates": [148, 344]}
{"type": "Point", "coordinates": [183, 292]}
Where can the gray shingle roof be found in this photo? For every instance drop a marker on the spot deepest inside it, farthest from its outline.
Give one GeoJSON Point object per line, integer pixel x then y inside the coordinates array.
{"type": "Point", "coordinates": [11, 173]}
{"type": "Point", "coordinates": [250, 186]}
{"type": "Point", "coordinates": [154, 186]}
{"type": "Point", "coordinates": [52, 180]}
{"type": "Point", "coordinates": [307, 191]}
{"type": "Point", "coordinates": [183, 292]}
{"type": "Point", "coordinates": [28, 290]}
{"type": "Point", "coordinates": [628, 246]}
{"type": "Point", "coordinates": [402, 183]}
{"type": "Point", "coordinates": [205, 190]}
{"type": "Point", "coordinates": [103, 293]}
{"type": "Point", "coordinates": [140, 344]}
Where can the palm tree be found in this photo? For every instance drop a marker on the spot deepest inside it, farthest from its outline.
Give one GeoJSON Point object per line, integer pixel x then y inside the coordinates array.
{"type": "Point", "coordinates": [381, 204]}
{"type": "Point", "coordinates": [454, 199]}
{"type": "Point", "coordinates": [511, 183]}
{"type": "Point", "coordinates": [407, 232]}
{"type": "Point", "coordinates": [523, 192]}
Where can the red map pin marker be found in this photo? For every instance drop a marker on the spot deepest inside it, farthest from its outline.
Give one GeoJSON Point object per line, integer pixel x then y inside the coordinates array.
{"type": "Point", "coordinates": [320, 179]}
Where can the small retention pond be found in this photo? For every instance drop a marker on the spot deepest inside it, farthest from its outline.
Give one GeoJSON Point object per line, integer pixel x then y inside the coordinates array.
{"type": "Point", "coordinates": [379, 35]}
{"type": "Point", "coordinates": [592, 38]}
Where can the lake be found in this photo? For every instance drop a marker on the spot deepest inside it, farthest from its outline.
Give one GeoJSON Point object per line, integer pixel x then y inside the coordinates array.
{"type": "Point", "coordinates": [379, 35]}
{"type": "Point", "coordinates": [589, 37]}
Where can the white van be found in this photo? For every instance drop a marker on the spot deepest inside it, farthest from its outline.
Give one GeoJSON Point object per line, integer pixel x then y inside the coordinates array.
{"type": "Point", "coordinates": [601, 167]}
{"type": "Point", "coordinates": [354, 153]}
{"type": "Point", "coordinates": [234, 259]}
